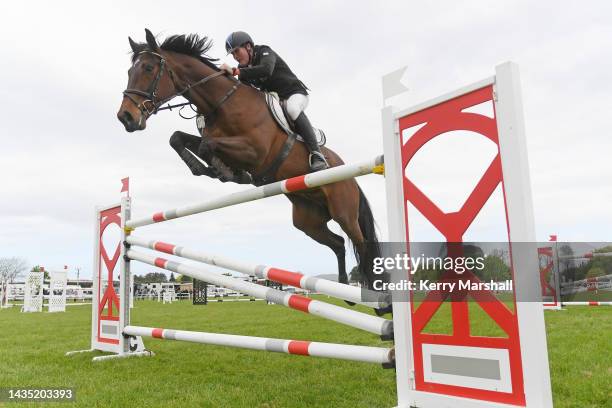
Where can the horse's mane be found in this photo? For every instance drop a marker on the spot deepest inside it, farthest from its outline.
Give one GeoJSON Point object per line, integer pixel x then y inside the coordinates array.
{"type": "Point", "coordinates": [187, 44]}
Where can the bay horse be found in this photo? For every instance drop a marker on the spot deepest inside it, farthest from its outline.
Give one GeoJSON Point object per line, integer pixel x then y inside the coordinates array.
{"type": "Point", "coordinates": [242, 142]}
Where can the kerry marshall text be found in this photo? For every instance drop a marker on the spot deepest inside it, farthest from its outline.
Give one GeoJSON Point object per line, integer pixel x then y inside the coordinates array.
{"type": "Point", "coordinates": [427, 285]}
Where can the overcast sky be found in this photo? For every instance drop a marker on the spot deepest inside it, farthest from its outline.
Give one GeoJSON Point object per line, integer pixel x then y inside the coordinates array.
{"type": "Point", "coordinates": [64, 65]}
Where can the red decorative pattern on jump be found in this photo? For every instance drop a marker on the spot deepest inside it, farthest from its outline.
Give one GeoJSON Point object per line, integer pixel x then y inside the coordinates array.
{"type": "Point", "coordinates": [110, 298]}
{"type": "Point", "coordinates": [438, 120]}
{"type": "Point", "coordinates": [546, 254]}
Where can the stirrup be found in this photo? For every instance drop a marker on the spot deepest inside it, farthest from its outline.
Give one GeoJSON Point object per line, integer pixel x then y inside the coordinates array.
{"type": "Point", "coordinates": [319, 155]}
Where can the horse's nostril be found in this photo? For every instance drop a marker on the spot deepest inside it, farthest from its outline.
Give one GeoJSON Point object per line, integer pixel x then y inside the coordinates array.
{"type": "Point", "coordinates": [127, 117]}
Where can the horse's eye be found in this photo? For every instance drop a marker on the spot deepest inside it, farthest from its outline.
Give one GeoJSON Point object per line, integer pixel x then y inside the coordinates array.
{"type": "Point", "coordinates": [148, 68]}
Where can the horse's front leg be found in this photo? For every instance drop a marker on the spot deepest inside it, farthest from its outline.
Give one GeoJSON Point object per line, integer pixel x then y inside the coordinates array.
{"type": "Point", "coordinates": [230, 156]}
{"type": "Point", "coordinates": [186, 146]}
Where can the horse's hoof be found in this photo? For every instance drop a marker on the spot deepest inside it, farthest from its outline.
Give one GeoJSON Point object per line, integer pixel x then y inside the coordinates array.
{"type": "Point", "coordinates": [196, 172]}
{"type": "Point", "coordinates": [383, 311]}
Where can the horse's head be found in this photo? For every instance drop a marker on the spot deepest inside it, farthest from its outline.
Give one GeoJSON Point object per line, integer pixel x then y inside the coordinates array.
{"type": "Point", "coordinates": [150, 84]}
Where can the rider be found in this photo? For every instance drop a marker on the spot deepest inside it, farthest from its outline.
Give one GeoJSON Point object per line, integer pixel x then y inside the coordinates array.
{"type": "Point", "coordinates": [260, 66]}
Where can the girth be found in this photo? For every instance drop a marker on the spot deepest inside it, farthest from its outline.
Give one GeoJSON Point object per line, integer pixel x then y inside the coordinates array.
{"type": "Point", "coordinates": [268, 175]}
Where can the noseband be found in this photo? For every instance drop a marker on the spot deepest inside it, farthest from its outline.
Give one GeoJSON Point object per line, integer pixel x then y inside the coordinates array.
{"type": "Point", "coordinates": [150, 105]}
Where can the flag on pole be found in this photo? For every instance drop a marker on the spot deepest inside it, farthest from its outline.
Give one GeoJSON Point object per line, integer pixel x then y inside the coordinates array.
{"type": "Point", "coordinates": [125, 185]}
{"type": "Point", "coordinates": [392, 83]}
{"type": "Point", "coordinates": [553, 238]}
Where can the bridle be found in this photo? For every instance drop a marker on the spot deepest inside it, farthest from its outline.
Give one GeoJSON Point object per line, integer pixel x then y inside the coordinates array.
{"type": "Point", "coordinates": [150, 105]}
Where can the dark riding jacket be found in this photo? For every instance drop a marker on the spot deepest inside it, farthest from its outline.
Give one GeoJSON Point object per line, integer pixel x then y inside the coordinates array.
{"type": "Point", "coordinates": [268, 72]}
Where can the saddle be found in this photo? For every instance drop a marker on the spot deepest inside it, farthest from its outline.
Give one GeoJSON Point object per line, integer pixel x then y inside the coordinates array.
{"type": "Point", "coordinates": [280, 115]}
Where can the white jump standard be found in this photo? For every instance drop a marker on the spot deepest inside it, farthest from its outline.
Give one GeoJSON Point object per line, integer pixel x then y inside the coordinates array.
{"type": "Point", "coordinates": [57, 291]}
{"type": "Point", "coordinates": [33, 297]}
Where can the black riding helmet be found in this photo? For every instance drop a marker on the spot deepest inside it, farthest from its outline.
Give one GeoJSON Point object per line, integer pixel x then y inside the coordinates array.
{"type": "Point", "coordinates": [237, 39]}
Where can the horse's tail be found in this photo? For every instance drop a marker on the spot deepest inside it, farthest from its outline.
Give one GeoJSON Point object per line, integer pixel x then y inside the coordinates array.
{"type": "Point", "coordinates": [371, 245]}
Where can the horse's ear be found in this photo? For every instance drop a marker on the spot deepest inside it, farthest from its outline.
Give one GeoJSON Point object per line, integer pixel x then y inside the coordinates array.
{"type": "Point", "coordinates": [134, 45]}
{"type": "Point", "coordinates": [151, 40]}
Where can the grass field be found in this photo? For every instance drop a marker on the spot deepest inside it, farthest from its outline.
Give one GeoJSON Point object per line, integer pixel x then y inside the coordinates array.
{"type": "Point", "coordinates": [32, 348]}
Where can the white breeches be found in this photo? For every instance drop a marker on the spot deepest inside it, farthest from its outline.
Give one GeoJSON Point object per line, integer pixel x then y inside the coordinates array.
{"type": "Point", "coordinates": [296, 103]}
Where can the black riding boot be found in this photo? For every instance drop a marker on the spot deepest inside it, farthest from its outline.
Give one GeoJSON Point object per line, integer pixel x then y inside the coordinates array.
{"type": "Point", "coordinates": [304, 128]}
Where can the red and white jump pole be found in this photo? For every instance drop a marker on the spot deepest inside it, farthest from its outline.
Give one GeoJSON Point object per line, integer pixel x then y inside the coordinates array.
{"type": "Point", "coordinates": [364, 354]}
{"type": "Point", "coordinates": [327, 287]}
{"type": "Point", "coordinates": [589, 303]}
{"type": "Point", "coordinates": [318, 179]}
{"type": "Point", "coordinates": [372, 324]}
{"type": "Point", "coordinates": [588, 255]}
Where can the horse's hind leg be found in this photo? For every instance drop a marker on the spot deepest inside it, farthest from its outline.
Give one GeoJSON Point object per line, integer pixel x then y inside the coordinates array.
{"type": "Point", "coordinates": [187, 145]}
{"type": "Point", "coordinates": [343, 205]}
{"type": "Point", "coordinates": [312, 220]}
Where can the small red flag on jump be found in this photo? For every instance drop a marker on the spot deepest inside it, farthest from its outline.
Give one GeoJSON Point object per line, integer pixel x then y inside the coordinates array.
{"type": "Point", "coordinates": [553, 238]}
{"type": "Point", "coordinates": [125, 185]}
